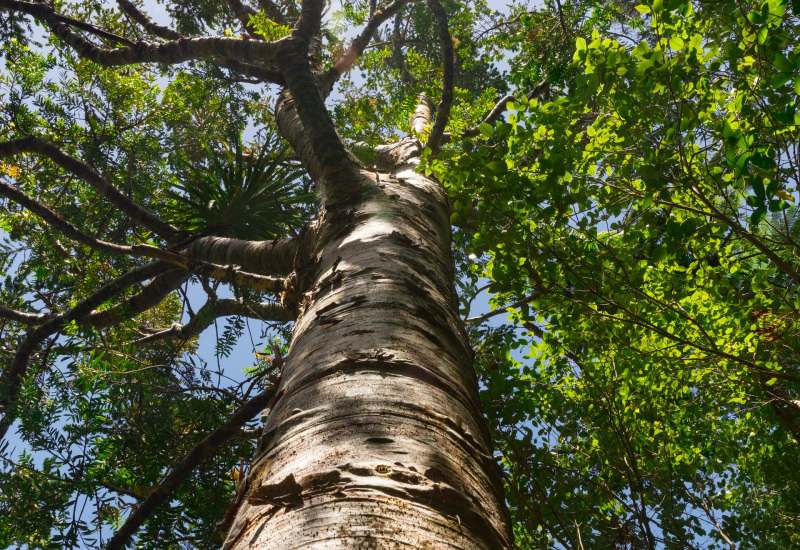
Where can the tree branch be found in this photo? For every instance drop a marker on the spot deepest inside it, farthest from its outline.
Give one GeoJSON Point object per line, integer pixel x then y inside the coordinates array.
{"type": "Point", "coordinates": [11, 378]}
{"type": "Point", "coordinates": [148, 298]}
{"type": "Point", "coordinates": [273, 11]}
{"type": "Point", "coordinates": [312, 135]}
{"type": "Point", "coordinates": [57, 222]}
{"type": "Point", "coordinates": [448, 75]}
{"type": "Point", "coordinates": [244, 250]}
{"type": "Point", "coordinates": [148, 24]}
{"type": "Point", "coordinates": [360, 43]}
{"type": "Point", "coordinates": [93, 30]}
{"type": "Point", "coordinates": [291, 129]}
{"type": "Point", "coordinates": [229, 274]}
{"type": "Point", "coordinates": [421, 120]}
{"type": "Point", "coordinates": [30, 319]}
{"type": "Point", "coordinates": [33, 144]}
{"type": "Point", "coordinates": [500, 108]}
{"type": "Point", "coordinates": [262, 257]}
{"type": "Point", "coordinates": [183, 469]}
{"type": "Point", "coordinates": [310, 19]}
{"type": "Point", "coordinates": [171, 52]}
{"type": "Point", "coordinates": [397, 52]}
{"type": "Point", "coordinates": [214, 309]}
{"type": "Point", "coordinates": [243, 13]}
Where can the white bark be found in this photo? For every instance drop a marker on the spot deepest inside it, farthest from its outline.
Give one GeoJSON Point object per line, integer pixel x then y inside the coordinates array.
{"type": "Point", "coordinates": [375, 439]}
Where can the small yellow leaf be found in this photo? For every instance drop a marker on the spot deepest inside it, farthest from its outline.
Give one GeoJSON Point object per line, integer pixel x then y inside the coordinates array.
{"type": "Point", "coordinates": [785, 195]}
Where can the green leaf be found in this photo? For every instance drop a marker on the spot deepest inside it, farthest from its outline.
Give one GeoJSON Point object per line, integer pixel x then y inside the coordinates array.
{"type": "Point", "coordinates": [487, 130]}
{"type": "Point", "coordinates": [497, 167]}
{"type": "Point", "coordinates": [780, 79]}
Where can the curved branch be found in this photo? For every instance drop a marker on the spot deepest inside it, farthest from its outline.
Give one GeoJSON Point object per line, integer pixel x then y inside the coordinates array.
{"type": "Point", "coordinates": [11, 378]}
{"type": "Point", "coordinates": [183, 469]}
{"type": "Point", "coordinates": [500, 108]}
{"type": "Point", "coordinates": [244, 251]}
{"type": "Point", "coordinates": [291, 129]}
{"type": "Point", "coordinates": [148, 298]}
{"type": "Point", "coordinates": [57, 222]}
{"type": "Point", "coordinates": [171, 52]}
{"type": "Point", "coordinates": [325, 155]}
{"type": "Point", "coordinates": [360, 43]}
{"type": "Point", "coordinates": [246, 69]}
{"type": "Point", "coordinates": [243, 13]}
{"type": "Point", "coordinates": [448, 75]}
{"type": "Point", "coordinates": [138, 214]}
{"type": "Point", "coordinates": [148, 24]}
{"type": "Point", "coordinates": [229, 274]}
{"type": "Point", "coordinates": [211, 310]}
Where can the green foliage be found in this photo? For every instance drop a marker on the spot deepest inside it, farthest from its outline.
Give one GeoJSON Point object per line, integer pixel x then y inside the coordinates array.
{"type": "Point", "coordinates": [268, 28]}
{"type": "Point", "coordinates": [239, 192]}
{"type": "Point", "coordinates": [636, 219]}
{"type": "Point", "coordinates": [102, 422]}
{"type": "Point", "coordinates": [640, 225]}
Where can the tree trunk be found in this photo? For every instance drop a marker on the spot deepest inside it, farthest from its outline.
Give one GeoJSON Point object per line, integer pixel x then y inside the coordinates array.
{"type": "Point", "coordinates": [375, 438]}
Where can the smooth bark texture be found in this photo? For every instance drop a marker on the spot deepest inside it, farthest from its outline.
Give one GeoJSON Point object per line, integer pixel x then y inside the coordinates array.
{"type": "Point", "coordinates": [375, 438]}
{"type": "Point", "coordinates": [263, 257]}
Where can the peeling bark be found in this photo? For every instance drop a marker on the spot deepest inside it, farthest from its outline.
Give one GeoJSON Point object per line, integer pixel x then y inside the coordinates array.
{"type": "Point", "coordinates": [375, 438]}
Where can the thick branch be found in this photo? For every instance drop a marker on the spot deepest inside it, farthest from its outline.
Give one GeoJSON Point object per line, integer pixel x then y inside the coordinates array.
{"type": "Point", "coordinates": [291, 129]}
{"type": "Point", "coordinates": [448, 75]}
{"type": "Point", "coordinates": [11, 378]}
{"type": "Point", "coordinates": [310, 19]}
{"type": "Point", "coordinates": [328, 154]}
{"type": "Point", "coordinates": [262, 257]}
{"type": "Point", "coordinates": [225, 273]}
{"type": "Point", "coordinates": [183, 469]}
{"type": "Point", "coordinates": [171, 52]}
{"type": "Point", "coordinates": [264, 74]}
{"type": "Point", "coordinates": [32, 144]}
{"type": "Point", "coordinates": [246, 69]}
{"type": "Point", "coordinates": [421, 120]}
{"type": "Point", "coordinates": [30, 319]}
{"type": "Point", "coordinates": [266, 311]}
{"type": "Point", "coordinates": [148, 24]}
{"type": "Point", "coordinates": [229, 274]}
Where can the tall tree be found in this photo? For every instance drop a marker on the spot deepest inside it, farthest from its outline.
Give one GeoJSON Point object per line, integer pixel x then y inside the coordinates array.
{"type": "Point", "coordinates": [630, 206]}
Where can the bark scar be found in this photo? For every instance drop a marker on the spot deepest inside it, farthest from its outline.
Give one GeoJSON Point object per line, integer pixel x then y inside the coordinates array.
{"type": "Point", "coordinates": [285, 494]}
